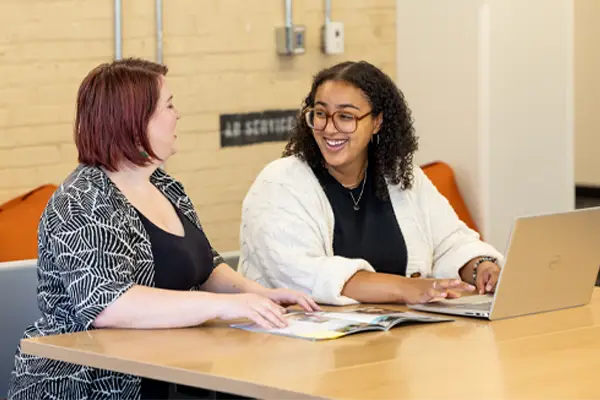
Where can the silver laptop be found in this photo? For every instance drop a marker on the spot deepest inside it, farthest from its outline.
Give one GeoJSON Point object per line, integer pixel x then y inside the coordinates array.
{"type": "Point", "coordinates": [551, 263]}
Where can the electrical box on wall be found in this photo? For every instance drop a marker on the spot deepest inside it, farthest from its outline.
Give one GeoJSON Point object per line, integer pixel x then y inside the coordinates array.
{"type": "Point", "coordinates": [332, 38]}
{"type": "Point", "coordinates": [290, 40]}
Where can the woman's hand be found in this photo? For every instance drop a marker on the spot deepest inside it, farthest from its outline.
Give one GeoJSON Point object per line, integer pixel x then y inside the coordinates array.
{"type": "Point", "coordinates": [260, 309]}
{"type": "Point", "coordinates": [287, 297]}
{"type": "Point", "coordinates": [487, 277]}
{"type": "Point", "coordinates": [416, 291]}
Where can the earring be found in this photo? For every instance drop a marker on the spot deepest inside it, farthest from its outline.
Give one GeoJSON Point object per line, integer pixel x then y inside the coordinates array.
{"type": "Point", "coordinates": [377, 139]}
{"type": "Point", "coordinates": [144, 154]}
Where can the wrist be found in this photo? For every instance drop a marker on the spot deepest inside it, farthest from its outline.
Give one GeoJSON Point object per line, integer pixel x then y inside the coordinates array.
{"type": "Point", "coordinates": [477, 265]}
{"type": "Point", "coordinates": [212, 303]}
{"type": "Point", "coordinates": [250, 286]}
{"type": "Point", "coordinates": [400, 285]}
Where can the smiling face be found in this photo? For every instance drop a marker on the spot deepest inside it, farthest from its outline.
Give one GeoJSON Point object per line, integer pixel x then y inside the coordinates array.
{"type": "Point", "coordinates": [161, 128]}
{"type": "Point", "coordinates": [341, 149]}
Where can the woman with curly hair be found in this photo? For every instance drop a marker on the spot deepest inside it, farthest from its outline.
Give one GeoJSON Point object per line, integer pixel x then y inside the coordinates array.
{"type": "Point", "coordinates": [345, 215]}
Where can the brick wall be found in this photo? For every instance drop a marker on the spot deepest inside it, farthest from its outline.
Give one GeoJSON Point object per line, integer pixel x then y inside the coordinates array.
{"type": "Point", "coordinates": [222, 59]}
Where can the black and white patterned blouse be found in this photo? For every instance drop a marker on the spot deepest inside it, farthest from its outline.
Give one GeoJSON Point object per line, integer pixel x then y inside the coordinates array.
{"type": "Point", "coordinates": [92, 247]}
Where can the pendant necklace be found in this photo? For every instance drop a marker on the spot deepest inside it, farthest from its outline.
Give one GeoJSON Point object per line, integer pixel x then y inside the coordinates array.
{"type": "Point", "coordinates": [357, 201]}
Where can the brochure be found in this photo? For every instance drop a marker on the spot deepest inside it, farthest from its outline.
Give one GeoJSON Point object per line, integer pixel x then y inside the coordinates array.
{"type": "Point", "coordinates": [332, 325]}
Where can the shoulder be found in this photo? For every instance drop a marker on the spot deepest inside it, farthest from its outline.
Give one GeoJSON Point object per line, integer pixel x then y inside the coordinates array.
{"type": "Point", "coordinates": [85, 196]}
{"type": "Point", "coordinates": [285, 183]}
{"type": "Point", "coordinates": [286, 170]}
{"type": "Point", "coordinates": [419, 178]}
{"type": "Point", "coordinates": [416, 199]}
{"type": "Point", "coordinates": [285, 177]}
{"type": "Point", "coordinates": [175, 192]}
{"type": "Point", "coordinates": [81, 191]}
{"type": "Point", "coordinates": [167, 183]}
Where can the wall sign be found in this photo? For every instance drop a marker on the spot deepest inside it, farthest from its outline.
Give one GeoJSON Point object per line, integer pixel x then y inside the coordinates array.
{"type": "Point", "coordinates": [256, 127]}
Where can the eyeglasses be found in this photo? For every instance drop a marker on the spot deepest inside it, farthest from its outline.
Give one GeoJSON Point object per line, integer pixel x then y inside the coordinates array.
{"type": "Point", "coordinates": [343, 121]}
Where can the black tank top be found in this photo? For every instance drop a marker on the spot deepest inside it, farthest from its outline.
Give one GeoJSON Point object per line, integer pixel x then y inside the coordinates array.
{"type": "Point", "coordinates": [180, 262]}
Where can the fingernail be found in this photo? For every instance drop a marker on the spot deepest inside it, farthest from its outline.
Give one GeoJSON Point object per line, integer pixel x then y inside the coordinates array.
{"type": "Point", "coordinates": [488, 287]}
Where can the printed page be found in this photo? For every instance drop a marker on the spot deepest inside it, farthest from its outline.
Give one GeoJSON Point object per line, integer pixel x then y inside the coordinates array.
{"type": "Point", "coordinates": [383, 317]}
{"type": "Point", "coordinates": [367, 315]}
{"type": "Point", "coordinates": [315, 326]}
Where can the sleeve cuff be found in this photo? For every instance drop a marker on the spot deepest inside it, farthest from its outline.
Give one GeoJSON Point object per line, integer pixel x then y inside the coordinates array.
{"type": "Point", "coordinates": [108, 294]}
{"type": "Point", "coordinates": [330, 282]}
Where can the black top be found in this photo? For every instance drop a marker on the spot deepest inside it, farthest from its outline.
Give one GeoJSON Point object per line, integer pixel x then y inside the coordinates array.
{"type": "Point", "coordinates": [370, 232]}
{"type": "Point", "coordinates": [180, 263]}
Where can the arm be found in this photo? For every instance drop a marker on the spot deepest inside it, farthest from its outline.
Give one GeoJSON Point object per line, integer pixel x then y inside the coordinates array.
{"type": "Point", "coordinates": [454, 245]}
{"type": "Point", "coordinates": [375, 287]}
{"type": "Point", "coordinates": [487, 274]}
{"type": "Point", "coordinates": [144, 307]}
{"type": "Point", "coordinates": [466, 271]}
{"type": "Point", "coordinates": [282, 241]}
{"type": "Point", "coordinates": [224, 279]}
{"type": "Point", "coordinates": [369, 287]}
{"type": "Point", "coordinates": [94, 259]}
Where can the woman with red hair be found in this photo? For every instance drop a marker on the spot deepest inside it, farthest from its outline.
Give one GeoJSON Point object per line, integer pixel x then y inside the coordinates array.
{"type": "Point", "coordinates": [120, 243]}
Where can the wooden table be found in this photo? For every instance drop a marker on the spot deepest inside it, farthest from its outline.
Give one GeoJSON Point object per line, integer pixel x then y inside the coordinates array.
{"type": "Point", "coordinates": [550, 355]}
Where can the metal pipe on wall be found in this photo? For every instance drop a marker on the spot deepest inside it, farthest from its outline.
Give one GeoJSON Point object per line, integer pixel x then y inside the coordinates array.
{"type": "Point", "coordinates": [327, 12]}
{"type": "Point", "coordinates": [288, 13]}
{"type": "Point", "coordinates": [288, 24]}
{"type": "Point", "coordinates": [118, 31]}
{"type": "Point", "coordinates": [159, 31]}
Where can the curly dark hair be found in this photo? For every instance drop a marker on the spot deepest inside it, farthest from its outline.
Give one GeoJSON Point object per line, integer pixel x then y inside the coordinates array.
{"type": "Point", "coordinates": [391, 155]}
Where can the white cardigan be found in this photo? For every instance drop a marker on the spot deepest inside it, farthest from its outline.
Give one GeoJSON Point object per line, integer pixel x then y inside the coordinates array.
{"type": "Point", "coordinates": [286, 233]}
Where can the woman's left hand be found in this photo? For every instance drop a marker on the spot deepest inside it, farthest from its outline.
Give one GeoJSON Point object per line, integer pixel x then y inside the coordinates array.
{"type": "Point", "coordinates": [487, 277]}
{"type": "Point", "coordinates": [288, 297]}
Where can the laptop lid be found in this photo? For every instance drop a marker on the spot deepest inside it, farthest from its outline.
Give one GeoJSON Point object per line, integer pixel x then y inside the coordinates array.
{"type": "Point", "coordinates": [551, 263]}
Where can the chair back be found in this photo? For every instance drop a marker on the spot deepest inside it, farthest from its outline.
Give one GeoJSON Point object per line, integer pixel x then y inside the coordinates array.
{"type": "Point", "coordinates": [231, 258]}
{"type": "Point", "coordinates": [18, 310]}
{"type": "Point", "coordinates": [19, 219]}
{"type": "Point", "coordinates": [442, 177]}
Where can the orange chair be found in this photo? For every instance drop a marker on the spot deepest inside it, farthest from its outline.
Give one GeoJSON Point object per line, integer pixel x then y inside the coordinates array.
{"type": "Point", "coordinates": [19, 219]}
{"type": "Point", "coordinates": [442, 177]}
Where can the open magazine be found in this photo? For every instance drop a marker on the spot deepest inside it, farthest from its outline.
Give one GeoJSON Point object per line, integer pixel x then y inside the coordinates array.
{"type": "Point", "coordinates": [332, 325]}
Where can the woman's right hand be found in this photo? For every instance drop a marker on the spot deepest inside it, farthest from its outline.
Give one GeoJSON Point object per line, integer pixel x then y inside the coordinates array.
{"type": "Point", "coordinates": [418, 290]}
{"type": "Point", "coordinates": [262, 310]}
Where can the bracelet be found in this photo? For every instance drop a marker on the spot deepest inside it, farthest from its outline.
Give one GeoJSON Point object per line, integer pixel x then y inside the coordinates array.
{"type": "Point", "coordinates": [480, 261]}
